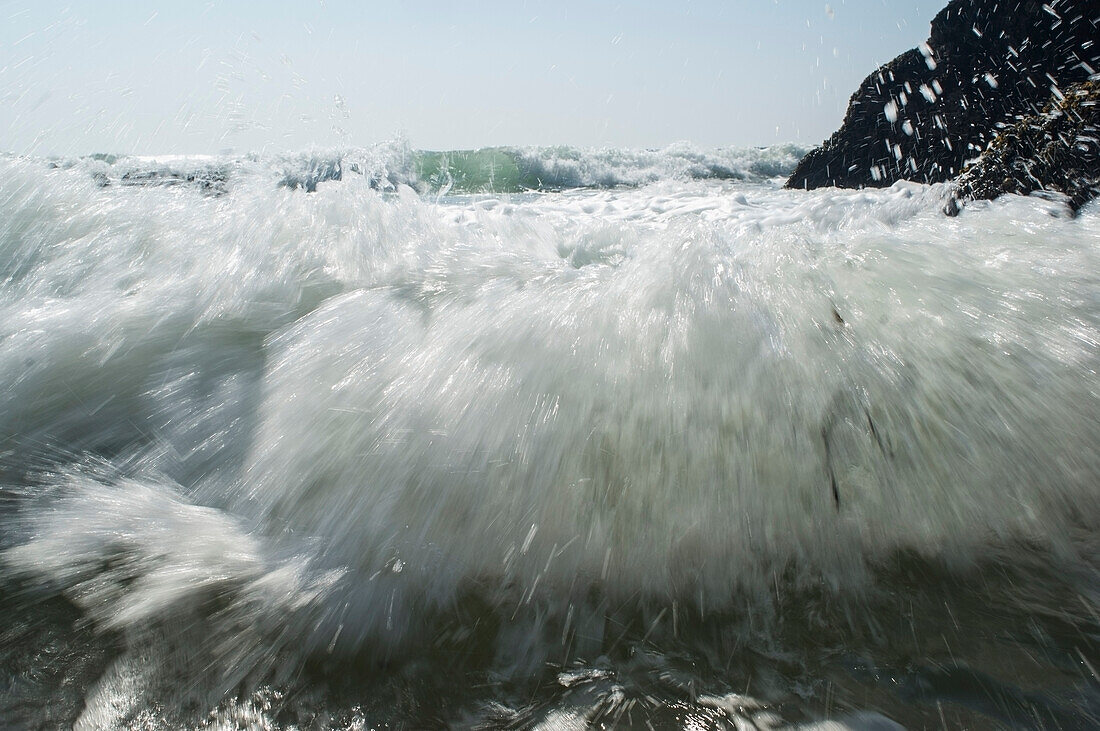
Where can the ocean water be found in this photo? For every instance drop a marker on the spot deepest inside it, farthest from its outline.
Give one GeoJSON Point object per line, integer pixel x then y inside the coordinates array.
{"type": "Point", "coordinates": [542, 438]}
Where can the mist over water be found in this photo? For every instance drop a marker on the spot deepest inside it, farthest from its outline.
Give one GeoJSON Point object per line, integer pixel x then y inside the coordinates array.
{"type": "Point", "coordinates": [670, 444]}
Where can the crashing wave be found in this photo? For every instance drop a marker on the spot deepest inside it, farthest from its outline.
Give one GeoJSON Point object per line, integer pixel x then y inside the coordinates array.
{"type": "Point", "coordinates": [506, 431]}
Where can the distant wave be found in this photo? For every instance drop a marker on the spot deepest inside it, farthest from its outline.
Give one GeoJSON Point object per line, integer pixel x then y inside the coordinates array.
{"type": "Point", "coordinates": [392, 164]}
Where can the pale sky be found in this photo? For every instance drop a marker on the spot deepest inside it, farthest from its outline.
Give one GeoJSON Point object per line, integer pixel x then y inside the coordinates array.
{"type": "Point", "coordinates": [149, 77]}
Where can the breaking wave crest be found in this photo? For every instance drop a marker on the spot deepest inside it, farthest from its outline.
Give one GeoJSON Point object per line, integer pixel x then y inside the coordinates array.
{"type": "Point", "coordinates": [489, 170]}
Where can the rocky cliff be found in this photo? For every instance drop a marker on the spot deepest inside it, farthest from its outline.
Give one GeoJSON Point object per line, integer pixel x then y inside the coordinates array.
{"type": "Point", "coordinates": [987, 65]}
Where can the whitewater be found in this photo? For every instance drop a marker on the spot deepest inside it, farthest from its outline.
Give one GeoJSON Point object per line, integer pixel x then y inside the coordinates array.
{"type": "Point", "coordinates": [542, 438]}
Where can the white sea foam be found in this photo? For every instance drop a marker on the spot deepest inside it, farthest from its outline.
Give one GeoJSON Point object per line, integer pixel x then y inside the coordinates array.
{"type": "Point", "coordinates": [675, 393]}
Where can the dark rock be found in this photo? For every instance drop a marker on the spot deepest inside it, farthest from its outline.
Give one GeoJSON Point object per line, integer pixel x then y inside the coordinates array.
{"type": "Point", "coordinates": [210, 181]}
{"type": "Point", "coordinates": [1057, 150]}
{"type": "Point", "coordinates": [314, 170]}
{"type": "Point", "coordinates": [987, 64]}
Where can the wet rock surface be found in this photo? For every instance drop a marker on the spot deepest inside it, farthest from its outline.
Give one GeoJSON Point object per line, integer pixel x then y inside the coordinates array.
{"type": "Point", "coordinates": [312, 171]}
{"type": "Point", "coordinates": [987, 65]}
{"type": "Point", "coordinates": [1057, 150]}
{"type": "Point", "coordinates": [212, 181]}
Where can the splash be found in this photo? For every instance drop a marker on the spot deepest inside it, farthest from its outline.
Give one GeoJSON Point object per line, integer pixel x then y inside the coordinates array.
{"type": "Point", "coordinates": [363, 426]}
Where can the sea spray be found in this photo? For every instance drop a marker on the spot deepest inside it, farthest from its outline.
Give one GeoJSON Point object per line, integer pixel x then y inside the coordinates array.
{"type": "Point", "coordinates": [363, 426]}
